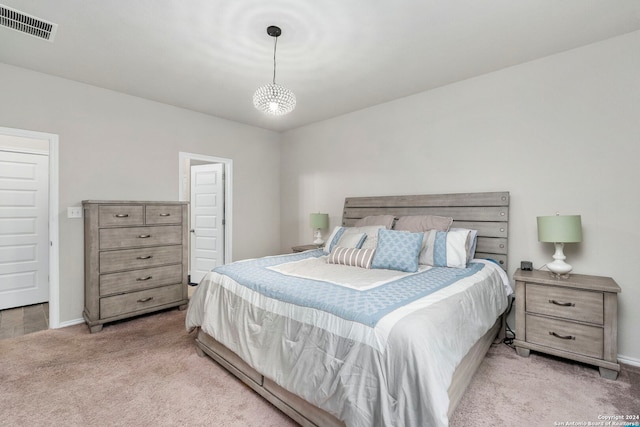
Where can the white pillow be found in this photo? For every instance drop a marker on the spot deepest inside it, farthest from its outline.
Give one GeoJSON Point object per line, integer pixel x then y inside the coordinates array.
{"type": "Point", "coordinates": [472, 241]}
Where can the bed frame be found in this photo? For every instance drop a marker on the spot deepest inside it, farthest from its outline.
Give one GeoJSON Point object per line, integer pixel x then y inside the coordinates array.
{"type": "Point", "coordinates": [486, 212]}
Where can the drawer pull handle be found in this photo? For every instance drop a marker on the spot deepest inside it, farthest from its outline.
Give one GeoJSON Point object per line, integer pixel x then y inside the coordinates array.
{"type": "Point", "coordinates": [145, 257]}
{"type": "Point", "coordinates": [147, 299]}
{"type": "Point", "coordinates": [121, 215]}
{"type": "Point", "coordinates": [562, 304]}
{"type": "Point", "coordinates": [143, 279]}
{"type": "Point", "coordinates": [144, 236]}
{"type": "Point", "coordinates": [562, 337]}
{"type": "Point", "coordinates": [165, 214]}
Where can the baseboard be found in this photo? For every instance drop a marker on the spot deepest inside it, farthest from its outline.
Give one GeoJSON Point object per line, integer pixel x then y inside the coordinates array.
{"type": "Point", "coordinates": [70, 323]}
{"type": "Point", "coordinates": [629, 361]}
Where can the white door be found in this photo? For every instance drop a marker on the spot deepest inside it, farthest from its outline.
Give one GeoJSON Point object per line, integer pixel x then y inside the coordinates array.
{"type": "Point", "coordinates": [24, 229]}
{"type": "Point", "coordinates": [207, 219]}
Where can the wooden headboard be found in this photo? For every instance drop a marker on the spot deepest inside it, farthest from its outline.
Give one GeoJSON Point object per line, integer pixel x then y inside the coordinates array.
{"type": "Point", "coordinates": [486, 212]}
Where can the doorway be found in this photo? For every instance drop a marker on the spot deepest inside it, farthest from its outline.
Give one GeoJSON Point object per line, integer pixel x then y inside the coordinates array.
{"type": "Point", "coordinates": [29, 270]}
{"type": "Point", "coordinates": [206, 183]}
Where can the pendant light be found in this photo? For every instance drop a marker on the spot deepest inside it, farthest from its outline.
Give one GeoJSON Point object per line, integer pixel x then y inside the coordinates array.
{"type": "Point", "coordinates": [272, 98]}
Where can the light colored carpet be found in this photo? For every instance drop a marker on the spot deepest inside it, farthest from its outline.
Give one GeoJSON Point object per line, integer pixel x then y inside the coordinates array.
{"type": "Point", "coordinates": [541, 390]}
{"type": "Point", "coordinates": [146, 372]}
{"type": "Point", "coordinates": [142, 372]}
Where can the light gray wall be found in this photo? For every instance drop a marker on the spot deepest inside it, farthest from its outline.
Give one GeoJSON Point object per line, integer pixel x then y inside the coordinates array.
{"type": "Point", "coordinates": [115, 146]}
{"type": "Point", "coordinates": [561, 134]}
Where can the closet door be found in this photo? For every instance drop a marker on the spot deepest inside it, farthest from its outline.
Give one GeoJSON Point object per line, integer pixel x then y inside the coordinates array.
{"type": "Point", "coordinates": [24, 234]}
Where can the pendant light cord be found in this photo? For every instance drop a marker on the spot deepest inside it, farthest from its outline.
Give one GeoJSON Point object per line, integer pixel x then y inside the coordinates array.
{"type": "Point", "coordinates": [275, 45]}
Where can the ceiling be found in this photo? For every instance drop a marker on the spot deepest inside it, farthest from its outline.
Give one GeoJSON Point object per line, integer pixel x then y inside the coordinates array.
{"type": "Point", "coordinates": [337, 56]}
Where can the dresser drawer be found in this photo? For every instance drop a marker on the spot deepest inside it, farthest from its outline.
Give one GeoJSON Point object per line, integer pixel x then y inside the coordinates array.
{"type": "Point", "coordinates": [163, 214]}
{"type": "Point", "coordinates": [574, 337]}
{"type": "Point", "coordinates": [128, 303]}
{"type": "Point", "coordinates": [136, 280]}
{"type": "Point", "coordinates": [566, 303]}
{"type": "Point", "coordinates": [130, 259]}
{"type": "Point", "coordinates": [131, 237]}
{"type": "Point", "coordinates": [115, 215]}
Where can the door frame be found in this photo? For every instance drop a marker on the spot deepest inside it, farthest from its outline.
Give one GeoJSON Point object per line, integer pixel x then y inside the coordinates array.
{"type": "Point", "coordinates": [54, 243]}
{"type": "Point", "coordinates": [184, 176]}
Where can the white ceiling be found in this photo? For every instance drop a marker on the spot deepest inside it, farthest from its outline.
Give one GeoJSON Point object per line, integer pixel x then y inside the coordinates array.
{"type": "Point", "coordinates": [337, 56]}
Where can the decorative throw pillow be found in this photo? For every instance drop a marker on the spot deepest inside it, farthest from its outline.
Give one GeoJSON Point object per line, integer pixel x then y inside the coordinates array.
{"type": "Point", "coordinates": [339, 233]}
{"type": "Point", "coordinates": [445, 249]}
{"type": "Point", "coordinates": [422, 223]}
{"type": "Point", "coordinates": [351, 240]}
{"type": "Point", "coordinates": [397, 250]}
{"type": "Point", "coordinates": [351, 256]}
{"type": "Point", "coordinates": [371, 242]}
{"type": "Point", "coordinates": [385, 220]}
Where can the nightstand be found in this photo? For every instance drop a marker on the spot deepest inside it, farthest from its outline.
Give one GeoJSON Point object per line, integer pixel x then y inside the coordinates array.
{"type": "Point", "coordinates": [303, 248]}
{"type": "Point", "coordinates": [575, 318]}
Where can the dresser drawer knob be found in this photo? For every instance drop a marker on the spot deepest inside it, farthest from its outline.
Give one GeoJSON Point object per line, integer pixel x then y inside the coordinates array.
{"type": "Point", "coordinates": [562, 337]}
{"type": "Point", "coordinates": [562, 304]}
{"type": "Point", "coordinates": [165, 214]}
{"type": "Point", "coordinates": [143, 279]}
{"type": "Point", "coordinates": [145, 299]}
{"type": "Point", "coordinates": [121, 215]}
{"type": "Point", "coordinates": [144, 236]}
{"type": "Point", "coordinates": [145, 257]}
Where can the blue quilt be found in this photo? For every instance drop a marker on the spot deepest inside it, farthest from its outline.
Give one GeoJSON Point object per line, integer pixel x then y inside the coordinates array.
{"type": "Point", "coordinates": [363, 306]}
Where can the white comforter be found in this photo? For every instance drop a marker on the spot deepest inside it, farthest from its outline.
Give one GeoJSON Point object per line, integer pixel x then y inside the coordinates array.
{"type": "Point", "coordinates": [394, 373]}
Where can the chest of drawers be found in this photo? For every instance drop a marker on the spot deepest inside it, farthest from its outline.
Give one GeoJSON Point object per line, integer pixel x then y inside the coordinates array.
{"type": "Point", "coordinates": [135, 259]}
{"type": "Point", "coordinates": [574, 317]}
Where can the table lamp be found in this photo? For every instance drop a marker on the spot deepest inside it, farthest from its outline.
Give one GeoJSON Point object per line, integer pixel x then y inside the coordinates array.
{"type": "Point", "coordinates": [559, 229]}
{"type": "Point", "coordinates": [319, 221]}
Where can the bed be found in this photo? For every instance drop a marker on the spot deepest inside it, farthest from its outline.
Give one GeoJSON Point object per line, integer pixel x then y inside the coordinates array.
{"type": "Point", "coordinates": [342, 348]}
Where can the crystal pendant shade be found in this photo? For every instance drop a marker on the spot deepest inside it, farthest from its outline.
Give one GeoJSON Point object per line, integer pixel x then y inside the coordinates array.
{"type": "Point", "coordinates": [274, 99]}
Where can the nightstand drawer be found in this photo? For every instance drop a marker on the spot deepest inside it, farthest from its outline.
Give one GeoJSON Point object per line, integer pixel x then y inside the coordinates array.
{"type": "Point", "coordinates": [566, 303]}
{"type": "Point", "coordinates": [131, 237]}
{"type": "Point", "coordinates": [573, 337]}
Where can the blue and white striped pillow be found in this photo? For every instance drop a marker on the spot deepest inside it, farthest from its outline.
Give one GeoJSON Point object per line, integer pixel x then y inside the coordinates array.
{"type": "Point", "coordinates": [444, 248]}
{"type": "Point", "coordinates": [397, 250]}
{"type": "Point", "coordinates": [344, 236]}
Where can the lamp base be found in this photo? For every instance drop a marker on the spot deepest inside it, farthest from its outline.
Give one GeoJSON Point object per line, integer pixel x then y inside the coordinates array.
{"type": "Point", "coordinates": [558, 266]}
{"type": "Point", "coordinates": [318, 236]}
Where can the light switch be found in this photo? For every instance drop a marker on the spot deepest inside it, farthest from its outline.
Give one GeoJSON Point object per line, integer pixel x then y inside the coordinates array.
{"type": "Point", "coordinates": [74, 212]}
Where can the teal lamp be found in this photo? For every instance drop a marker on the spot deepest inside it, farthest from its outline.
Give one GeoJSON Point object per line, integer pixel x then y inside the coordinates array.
{"type": "Point", "coordinates": [560, 229]}
{"type": "Point", "coordinates": [319, 222]}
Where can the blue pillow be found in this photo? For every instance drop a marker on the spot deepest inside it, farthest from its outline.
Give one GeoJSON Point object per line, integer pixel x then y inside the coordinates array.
{"type": "Point", "coordinates": [397, 250]}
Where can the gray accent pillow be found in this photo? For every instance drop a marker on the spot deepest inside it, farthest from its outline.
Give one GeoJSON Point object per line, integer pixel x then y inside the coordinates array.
{"type": "Point", "coordinates": [385, 220]}
{"type": "Point", "coordinates": [422, 223]}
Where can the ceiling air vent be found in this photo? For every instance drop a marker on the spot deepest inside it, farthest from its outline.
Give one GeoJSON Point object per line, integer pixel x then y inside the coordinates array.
{"type": "Point", "coordinates": [27, 24]}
